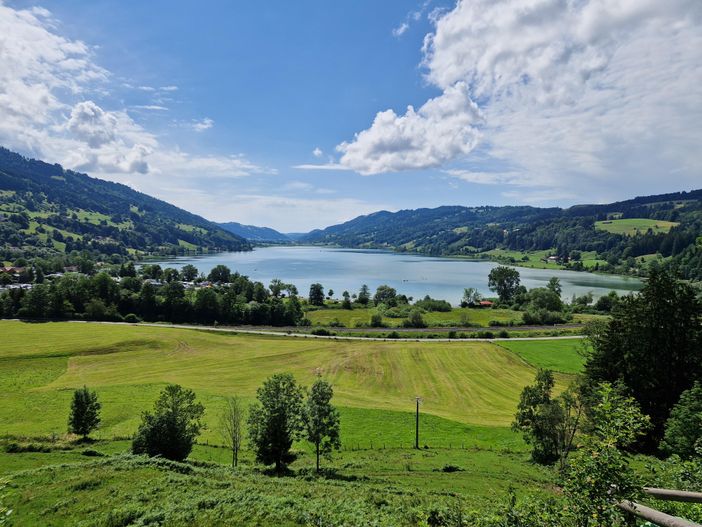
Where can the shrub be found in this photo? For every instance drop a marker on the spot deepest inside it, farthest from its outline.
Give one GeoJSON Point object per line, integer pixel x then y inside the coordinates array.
{"type": "Point", "coordinates": [397, 312]}
{"type": "Point", "coordinates": [414, 320]}
{"type": "Point", "coordinates": [92, 453]}
{"type": "Point", "coordinates": [376, 321]}
{"type": "Point", "coordinates": [430, 304]}
{"type": "Point", "coordinates": [19, 448]}
{"type": "Point", "coordinates": [543, 317]}
{"type": "Point", "coordinates": [683, 429]}
{"type": "Point", "coordinates": [132, 318]}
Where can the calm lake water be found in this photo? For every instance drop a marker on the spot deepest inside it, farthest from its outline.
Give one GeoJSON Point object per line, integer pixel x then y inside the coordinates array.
{"type": "Point", "coordinates": [416, 276]}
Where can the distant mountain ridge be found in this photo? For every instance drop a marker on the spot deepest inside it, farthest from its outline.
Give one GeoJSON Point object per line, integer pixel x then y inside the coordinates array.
{"type": "Point", "coordinates": [495, 231]}
{"type": "Point", "coordinates": [255, 234]}
{"type": "Point", "coordinates": [47, 209]}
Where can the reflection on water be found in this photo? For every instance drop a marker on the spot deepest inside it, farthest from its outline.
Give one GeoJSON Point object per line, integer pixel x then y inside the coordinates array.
{"type": "Point", "coordinates": [416, 276]}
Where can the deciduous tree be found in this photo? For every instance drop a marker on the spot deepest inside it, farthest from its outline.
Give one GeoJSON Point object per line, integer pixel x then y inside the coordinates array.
{"type": "Point", "coordinates": [85, 412]}
{"type": "Point", "coordinates": [171, 429]}
{"type": "Point", "coordinates": [276, 420]}
{"type": "Point", "coordinates": [504, 281]}
{"type": "Point", "coordinates": [322, 419]}
{"type": "Point", "coordinates": [231, 426]}
{"type": "Point", "coordinates": [316, 297]}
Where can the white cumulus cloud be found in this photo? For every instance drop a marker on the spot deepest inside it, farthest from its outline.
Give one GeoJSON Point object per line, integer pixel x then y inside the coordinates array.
{"type": "Point", "coordinates": [47, 85]}
{"type": "Point", "coordinates": [441, 129]}
{"type": "Point", "coordinates": [589, 96]}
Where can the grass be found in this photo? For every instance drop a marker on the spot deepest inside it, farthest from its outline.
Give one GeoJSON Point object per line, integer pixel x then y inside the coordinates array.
{"type": "Point", "coordinates": [187, 245]}
{"type": "Point", "coordinates": [127, 490]}
{"type": "Point", "coordinates": [190, 228]}
{"type": "Point", "coordinates": [456, 317]}
{"type": "Point", "coordinates": [633, 226]}
{"type": "Point", "coordinates": [533, 259]}
{"type": "Point", "coordinates": [469, 390]}
{"type": "Point", "coordinates": [470, 382]}
{"type": "Point", "coordinates": [557, 355]}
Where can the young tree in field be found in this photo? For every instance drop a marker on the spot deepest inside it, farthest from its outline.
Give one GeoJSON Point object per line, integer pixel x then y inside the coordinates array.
{"type": "Point", "coordinates": [363, 295]}
{"type": "Point", "coordinates": [276, 420]}
{"type": "Point", "coordinates": [653, 344]}
{"type": "Point", "coordinates": [346, 302]}
{"type": "Point", "coordinates": [504, 281]}
{"type": "Point", "coordinates": [537, 418]}
{"type": "Point", "coordinates": [170, 431]}
{"type": "Point", "coordinates": [322, 419]}
{"type": "Point", "coordinates": [85, 412]}
{"type": "Point", "coordinates": [231, 426]}
{"type": "Point", "coordinates": [316, 297]}
{"type": "Point", "coordinates": [549, 425]}
{"type": "Point", "coordinates": [683, 430]}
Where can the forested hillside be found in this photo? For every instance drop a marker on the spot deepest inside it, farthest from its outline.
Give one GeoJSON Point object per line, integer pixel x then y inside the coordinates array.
{"type": "Point", "coordinates": [623, 237]}
{"type": "Point", "coordinates": [45, 210]}
{"type": "Point", "coordinates": [255, 234]}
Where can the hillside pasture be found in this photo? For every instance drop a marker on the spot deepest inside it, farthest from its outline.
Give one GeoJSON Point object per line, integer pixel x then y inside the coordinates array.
{"type": "Point", "coordinates": [562, 356]}
{"type": "Point", "coordinates": [467, 382]}
{"type": "Point", "coordinates": [469, 456]}
{"type": "Point", "coordinates": [633, 226]}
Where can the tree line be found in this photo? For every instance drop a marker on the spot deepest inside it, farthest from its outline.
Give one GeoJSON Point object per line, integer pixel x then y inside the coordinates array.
{"type": "Point", "coordinates": [155, 294]}
{"type": "Point", "coordinates": [284, 412]}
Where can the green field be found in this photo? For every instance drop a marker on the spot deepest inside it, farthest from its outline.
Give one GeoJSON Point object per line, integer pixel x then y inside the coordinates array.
{"type": "Point", "coordinates": [632, 226]}
{"type": "Point", "coordinates": [469, 390]}
{"type": "Point", "coordinates": [470, 382]}
{"type": "Point", "coordinates": [457, 317]}
{"type": "Point", "coordinates": [558, 355]}
{"type": "Point", "coordinates": [533, 259]}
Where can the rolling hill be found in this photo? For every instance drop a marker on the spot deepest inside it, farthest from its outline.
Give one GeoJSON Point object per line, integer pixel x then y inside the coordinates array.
{"type": "Point", "coordinates": [255, 234]}
{"type": "Point", "coordinates": [668, 227]}
{"type": "Point", "coordinates": [45, 209]}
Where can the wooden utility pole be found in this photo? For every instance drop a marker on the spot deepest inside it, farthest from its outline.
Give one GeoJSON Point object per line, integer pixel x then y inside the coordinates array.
{"type": "Point", "coordinates": [416, 432]}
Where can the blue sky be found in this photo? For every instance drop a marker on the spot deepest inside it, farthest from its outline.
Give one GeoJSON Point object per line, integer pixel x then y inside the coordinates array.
{"type": "Point", "coordinates": [295, 115]}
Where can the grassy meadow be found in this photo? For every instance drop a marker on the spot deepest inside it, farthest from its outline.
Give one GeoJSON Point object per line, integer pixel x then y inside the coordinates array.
{"type": "Point", "coordinates": [633, 226]}
{"type": "Point", "coordinates": [469, 390]}
{"type": "Point", "coordinates": [457, 317]}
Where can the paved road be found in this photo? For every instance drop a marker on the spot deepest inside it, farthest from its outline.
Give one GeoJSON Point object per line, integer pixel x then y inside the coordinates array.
{"type": "Point", "coordinates": [279, 333]}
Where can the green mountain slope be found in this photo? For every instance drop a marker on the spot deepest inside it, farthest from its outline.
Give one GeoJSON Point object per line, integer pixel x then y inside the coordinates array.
{"type": "Point", "coordinates": [45, 209]}
{"type": "Point", "coordinates": [621, 237]}
{"type": "Point", "coordinates": [255, 234]}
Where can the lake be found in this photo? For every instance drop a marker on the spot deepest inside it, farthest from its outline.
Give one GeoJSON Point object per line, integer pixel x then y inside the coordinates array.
{"type": "Point", "coordinates": [412, 275]}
